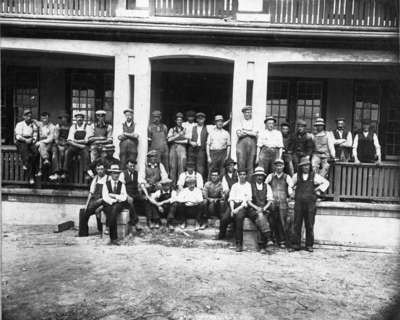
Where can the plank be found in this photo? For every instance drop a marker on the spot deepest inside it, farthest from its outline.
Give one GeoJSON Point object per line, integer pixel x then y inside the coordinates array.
{"type": "Point", "coordinates": [348, 12]}
{"type": "Point", "coordinates": [356, 13]}
{"type": "Point", "coordinates": [363, 181]}
{"type": "Point", "coordinates": [6, 160]}
{"type": "Point", "coordinates": [387, 181]}
{"type": "Point", "coordinates": [354, 184]}
{"type": "Point", "coordinates": [273, 11]}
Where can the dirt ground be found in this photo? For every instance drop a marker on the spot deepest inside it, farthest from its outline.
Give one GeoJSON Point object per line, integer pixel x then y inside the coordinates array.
{"type": "Point", "coordinates": [158, 275]}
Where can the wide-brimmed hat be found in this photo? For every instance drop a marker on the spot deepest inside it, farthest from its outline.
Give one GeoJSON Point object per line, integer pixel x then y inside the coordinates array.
{"type": "Point", "coordinates": [319, 122]}
{"type": "Point", "coordinates": [218, 117]}
{"type": "Point", "coordinates": [108, 147]}
{"type": "Point", "coordinates": [200, 114]}
{"type": "Point", "coordinates": [285, 124]}
{"type": "Point", "coordinates": [152, 153]}
{"type": "Point", "coordinates": [27, 111]}
{"type": "Point", "coordinates": [114, 168]}
{"type": "Point", "coordinates": [156, 113]}
{"type": "Point", "coordinates": [340, 119]}
{"type": "Point", "coordinates": [128, 110]}
{"type": "Point", "coordinates": [79, 114]}
{"type": "Point", "coordinates": [270, 118]}
{"type": "Point", "coordinates": [99, 112]}
{"type": "Point", "coordinates": [179, 115]}
{"type": "Point", "coordinates": [279, 161]}
{"type": "Point", "coordinates": [259, 171]}
{"type": "Point", "coordinates": [247, 108]}
{"type": "Point", "coordinates": [166, 181]}
{"type": "Point", "coordinates": [304, 161]}
{"type": "Point", "coordinates": [228, 162]}
{"type": "Point", "coordinates": [301, 122]}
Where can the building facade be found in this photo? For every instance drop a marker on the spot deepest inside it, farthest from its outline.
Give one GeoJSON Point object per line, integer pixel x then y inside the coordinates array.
{"type": "Point", "coordinates": [287, 58]}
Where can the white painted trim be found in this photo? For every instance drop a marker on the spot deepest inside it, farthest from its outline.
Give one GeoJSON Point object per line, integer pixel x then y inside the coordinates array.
{"type": "Point", "coordinates": [136, 13]}
{"type": "Point", "coordinates": [253, 17]}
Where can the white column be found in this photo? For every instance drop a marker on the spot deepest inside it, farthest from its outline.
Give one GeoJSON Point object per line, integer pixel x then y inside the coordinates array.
{"type": "Point", "coordinates": [260, 91]}
{"type": "Point", "coordinates": [142, 9]}
{"type": "Point", "coordinates": [252, 11]}
{"type": "Point", "coordinates": [121, 96]}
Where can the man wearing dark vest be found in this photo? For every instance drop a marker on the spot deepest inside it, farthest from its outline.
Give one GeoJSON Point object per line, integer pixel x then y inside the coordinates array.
{"type": "Point", "coordinates": [214, 197]}
{"type": "Point", "coordinates": [129, 139]}
{"type": "Point", "coordinates": [114, 201]}
{"type": "Point", "coordinates": [343, 141]}
{"type": "Point", "coordinates": [26, 135]}
{"type": "Point", "coordinates": [60, 145]}
{"type": "Point", "coordinates": [77, 144]}
{"type": "Point", "coordinates": [162, 204]}
{"type": "Point", "coordinates": [303, 143]}
{"type": "Point", "coordinates": [324, 149]}
{"type": "Point", "coordinates": [106, 156]}
{"type": "Point", "coordinates": [230, 177]}
{"type": "Point", "coordinates": [101, 134]}
{"type": "Point", "coordinates": [177, 153]}
{"type": "Point", "coordinates": [198, 144]}
{"type": "Point", "coordinates": [308, 186]}
{"type": "Point", "coordinates": [94, 201]}
{"type": "Point", "coordinates": [282, 188]}
{"type": "Point", "coordinates": [157, 138]}
{"type": "Point", "coordinates": [366, 147]}
{"type": "Point", "coordinates": [287, 152]}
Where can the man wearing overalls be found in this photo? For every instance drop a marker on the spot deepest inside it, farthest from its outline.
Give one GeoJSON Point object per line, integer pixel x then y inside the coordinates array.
{"type": "Point", "coordinates": [282, 188]}
{"type": "Point", "coordinates": [157, 136]}
{"type": "Point", "coordinates": [60, 145]}
{"type": "Point", "coordinates": [101, 134]}
{"type": "Point", "coordinates": [246, 146]}
{"type": "Point", "coordinates": [177, 152]}
{"type": "Point", "coordinates": [94, 201]}
{"type": "Point", "coordinates": [190, 173]}
{"type": "Point", "coordinates": [129, 139]}
{"type": "Point", "coordinates": [77, 144]}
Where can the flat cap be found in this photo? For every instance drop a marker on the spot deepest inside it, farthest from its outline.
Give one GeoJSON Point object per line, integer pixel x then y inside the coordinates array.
{"type": "Point", "coordinates": [108, 147]}
{"type": "Point", "coordinates": [319, 122]}
{"type": "Point", "coordinates": [128, 110]}
{"type": "Point", "coordinates": [279, 161]}
{"type": "Point", "coordinates": [247, 108]}
{"type": "Point", "coordinates": [114, 168]}
{"type": "Point", "coordinates": [179, 115]}
{"type": "Point", "coordinates": [166, 181]}
{"type": "Point", "coordinates": [301, 122]}
{"type": "Point", "coordinates": [99, 112]}
{"type": "Point", "coordinates": [156, 113]}
{"type": "Point", "coordinates": [270, 118]}
{"type": "Point", "coordinates": [152, 153]}
{"type": "Point", "coordinates": [79, 114]}
{"type": "Point", "coordinates": [285, 124]}
{"type": "Point", "coordinates": [228, 162]}
{"type": "Point", "coordinates": [218, 118]}
{"type": "Point", "coordinates": [200, 114]}
{"type": "Point", "coordinates": [27, 111]}
{"type": "Point", "coordinates": [340, 119]}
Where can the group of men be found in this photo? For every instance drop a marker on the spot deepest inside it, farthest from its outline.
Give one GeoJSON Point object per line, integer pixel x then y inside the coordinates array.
{"type": "Point", "coordinates": [182, 158]}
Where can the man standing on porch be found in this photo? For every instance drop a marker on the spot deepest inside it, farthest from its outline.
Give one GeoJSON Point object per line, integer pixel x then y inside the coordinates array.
{"type": "Point", "coordinates": [343, 141]}
{"type": "Point", "coordinates": [77, 144]}
{"type": "Point", "coordinates": [366, 147]}
{"type": "Point", "coordinates": [218, 146]}
{"type": "Point", "coordinates": [129, 139]}
{"type": "Point", "coordinates": [246, 147]}
{"type": "Point", "coordinates": [25, 138]}
{"type": "Point", "coordinates": [308, 186]}
{"type": "Point", "coordinates": [303, 143]}
{"type": "Point", "coordinates": [324, 149]}
{"type": "Point", "coordinates": [287, 152]}
{"type": "Point", "coordinates": [157, 137]}
{"type": "Point", "coordinates": [269, 145]}
{"type": "Point", "coordinates": [101, 134]}
{"type": "Point", "coordinates": [198, 142]}
{"type": "Point", "coordinates": [177, 153]}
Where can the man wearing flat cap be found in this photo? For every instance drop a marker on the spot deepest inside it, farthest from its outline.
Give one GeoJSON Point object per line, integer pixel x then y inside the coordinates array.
{"type": "Point", "coordinates": [303, 143]}
{"type": "Point", "coordinates": [128, 139]}
{"type": "Point", "coordinates": [77, 140]}
{"type": "Point", "coordinates": [324, 149]}
{"type": "Point", "coordinates": [177, 153]}
{"type": "Point", "coordinates": [157, 133]}
{"type": "Point", "coordinates": [269, 145]}
{"type": "Point", "coordinates": [308, 185]}
{"type": "Point", "coordinates": [189, 123]}
{"type": "Point", "coordinates": [230, 176]}
{"type": "Point", "coordinates": [190, 172]}
{"type": "Point", "coordinates": [218, 145]}
{"type": "Point", "coordinates": [282, 189]}
{"type": "Point", "coordinates": [366, 147]}
{"type": "Point", "coordinates": [60, 145]}
{"type": "Point", "coordinates": [26, 135]}
{"type": "Point", "coordinates": [343, 140]}
{"type": "Point", "coordinates": [246, 146]}
{"type": "Point", "coordinates": [101, 134]}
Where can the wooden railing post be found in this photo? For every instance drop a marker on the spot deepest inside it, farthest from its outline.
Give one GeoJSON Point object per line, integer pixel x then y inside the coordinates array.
{"type": "Point", "coordinates": [336, 181]}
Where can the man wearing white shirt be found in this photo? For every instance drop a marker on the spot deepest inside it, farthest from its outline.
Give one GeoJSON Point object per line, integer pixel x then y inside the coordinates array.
{"type": "Point", "coordinates": [114, 201]}
{"type": "Point", "coordinates": [269, 145]}
{"type": "Point", "coordinates": [45, 141]}
{"type": "Point", "coordinates": [324, 149]}
{"type": "Point", "coordinates": [308, 186]}
{"type": "Point", "coordinates": [128, 139]}
{"type": "Point", "coordinates": [190, 203]}
{"type": "Point", "coordinates": [239, 197]}
{"type": "Point", "coordinates": [246, 146]}
{"type": "Point", "coordinates": [189, 123]}
{"type": "Point", "coordinates": [190, 173]}
{"type": "Point", "coordinates": [366, 147]}
{"type": "Point", "coordinates": [342, 140]}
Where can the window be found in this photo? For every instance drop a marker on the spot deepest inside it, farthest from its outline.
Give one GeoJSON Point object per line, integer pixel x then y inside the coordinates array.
{"type": "Point", "coordinates": [108, 97]}
{"type": "Point", "coordinates": [390, 126]}
{"type": "Point", "coordinates": [26, 94]}
{"type": "Point", "coordinates": [83, 94]}
{"type": "Point", "coordinates": [308, 101]}
{"type": "Point", "coordinates": [278, 100]}
{"type": "Point", "coordinates": [367, 103]}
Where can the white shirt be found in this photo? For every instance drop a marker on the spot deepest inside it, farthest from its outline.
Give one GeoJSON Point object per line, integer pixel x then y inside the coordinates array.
{"type": "Point", "coordinates": [218, 139]}
{"type": "Point", "coordinates": [225, 185]}
{"type": "Point", "coordinates": [289, 181]}
{"type": "Point", "coordinates": [22, 129]}
{"type": "Point", "coordinates": [188, 128]}
{"type": "Point", "coordinates": [319, 180]}
{"type": "Point", "coordinates": [98, 180]}
{"type": "Point", "coordinates": [184, 175]}
{"type": "Point", "coordinates": [376, 144]}
{"type": "Point", "coordinates": [46, 132]}
{"type": "Point", "coordinates": [240, 192]}
{"type": "Point", "coordinates": [270, 138]}
{"type": "Point", "coordinates": [347, 143]}
{"type": "Point", "coordinates": [190, 197]}
{"type": "Point", "coordinates": [118, 197]}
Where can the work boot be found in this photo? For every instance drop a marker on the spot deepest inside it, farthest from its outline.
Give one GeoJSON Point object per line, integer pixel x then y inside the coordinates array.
{"type": "Point", "coordinates": [197, 227]}
{"type": "Point", "coordinates": [239, 247]}
{"type": "Point", "coordinates": [263, 251]}
{"type": "Point", "coordinates": [203, 226]}
{"type": "Point", "coordinates": [309, 249]}
{"type": "Point", "coordinates": [171, 228]}
{"type": "Point", "coordinates": [115, 243]}
{"type": "Point", "coordinates": [293, 249]}
{"type": "Point", "coordinates": [157, 225]}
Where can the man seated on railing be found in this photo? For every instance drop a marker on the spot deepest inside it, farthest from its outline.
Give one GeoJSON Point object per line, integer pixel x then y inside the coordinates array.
{"type": "Point", "coordinates": [366, 147]}
{"type": "Point", "coordinates": [324, 149]}
{"type": "Point", "coordinates": [343, 141]}
{"type": "Point", "coordinates": [48, 156]}
{"type": "Point", "coordinates": [60, 145]}
{"type": "Point", "coordinates": [94, 201]}
{"type": "Point", "coordinates": [101, 134]}
{"type": "Point", "coordinates": [25, 138]}
{"type": "Point", "coordinates": [77, 144]}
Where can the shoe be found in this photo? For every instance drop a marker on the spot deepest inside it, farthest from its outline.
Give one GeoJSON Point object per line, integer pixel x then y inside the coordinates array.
{"type": "Point", "coordinates": [54, 177]}
{"type": "Point", "coordinates": [24, 168]}
{"type": "Point", "coordinates": [239, 248]}
{"type": "Point", "coordinates": [183, 225]}
{"type": "Point", "coordinates": [282, 245]}
{"type": "Point", "coordinates": [294, 249]}
{"type": "Point", "coordinates": [203, 226]}
{"type": "Point", "coordinates": [263, 251]}
{"type": "Point", "coordinates": [157, 226]}
{"type": "Point", "coordinates": [115, 243]}
{"type": "Point", "coordinates": [31, 181]}
{"type": "Point", "coordinates": [171, 228]}
{"type": "Point", "coordinates": [46, 162]}
{"type": "Point", "coordinates": [309, 249]}
{"type": "Point", "coordinates": [197, 227]}
{"type": "Point", "coordinates": [106, 231]}
{"type": "Point", "coordinates": [151, 225]}
{"type": "Point", "coordinates": [63, 176]}
{"type": "Point", "coordinates": [270, 243]}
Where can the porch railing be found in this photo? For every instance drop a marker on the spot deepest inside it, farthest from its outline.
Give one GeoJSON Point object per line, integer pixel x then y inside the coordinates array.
{"type": "Point", "coordinates": [87, 8]}
{"type": "Point", "coordinates": [351, 13]}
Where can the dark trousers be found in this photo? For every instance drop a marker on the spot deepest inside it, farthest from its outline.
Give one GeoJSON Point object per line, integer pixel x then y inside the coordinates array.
{"type": "Point", "coordinates": [177, 161]}
{"type": "Point", "coordinates": [304, 211]}
{"type": "Point", "coordinates": [186, 212]}
{"type": "Point", "coordinates": [215, 208]}
{"type": "Point", "coordinates": [29, 155]}
{"type": "Point", "coordinates": [163, 152]}
{"type": "Point", "coordinates": [288, 159]}
{"type": "Point", "coordinates": [112, 212]}
{"type": "Point", "coordinates": [280, 223]}
{"type": "Point", "coordinates": [246, 150]}
{"type": "Point", "coordinates": [84, 216]}
{"type": "Point", "coordinates": [133, 216]}
{"type": "Point", "coordinates": [73, 151]}
{"type": "Point", "coordinates": [267, 157]}
{"type": "Point", "coordinates": [59, 152]}
{"type": "Point", "coordinates": [154, 214]}
{"type": "Point", "coordinates": [198, 156]}
{"type": "Point", "coordinates": [218, 160]}
{"type": "Point", "coordinates": [259, 219]}
{"type": "Point", "coordinates": [127, 150]}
